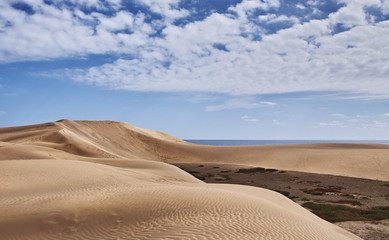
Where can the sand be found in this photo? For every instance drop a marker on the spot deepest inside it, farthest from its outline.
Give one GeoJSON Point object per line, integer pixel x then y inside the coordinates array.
{"type": "Point", "coordinates": [110, 180]}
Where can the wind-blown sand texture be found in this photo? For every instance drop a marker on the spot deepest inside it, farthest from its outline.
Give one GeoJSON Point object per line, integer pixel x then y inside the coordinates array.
{"type": "Point", "coordinates": [108, 180]}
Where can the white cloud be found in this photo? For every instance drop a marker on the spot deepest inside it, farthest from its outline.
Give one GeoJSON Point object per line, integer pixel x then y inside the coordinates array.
{"type": "Point", "coordinates": [2, 112]}
{"type": "Point", "coordinates": [240, 103]}
{"type": "Point", "coordinates": [248, 119]}
{"type": "Point", "coordinates": [385, 6]}
{"type": "Point", "coordinates": [167, 8]}
{"type": "Point", "coordinates": [276, 122]}
{"type": "Point", "coordinates": [273, 18]}
{"type": "Point", "coordinates": [121, 21]}
{"type": "Point", "coordinates": [379, 124]}
{"type": "Point", "coordinates": [304, 57]}
{"type": "Point", "coordinates": [268, 103]}
{"type": "Point", "coordinates": [246, 6]}
{"type": "Point", "coordinates": [338, 115]}
{"type": "Point", "coordinates": [62, 32]}
{"type": "Point", "coordinates": [386, 114]}
{"type": "Point", "coordinates": [300, 6]}
{"type": "Point", "coordinates": [332, 124]}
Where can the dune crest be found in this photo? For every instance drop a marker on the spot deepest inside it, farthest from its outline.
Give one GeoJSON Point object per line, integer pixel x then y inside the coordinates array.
{"type": "Point", "coordinates": [67, 139]}
{"type": "Point", "coordinates": [109, 180]}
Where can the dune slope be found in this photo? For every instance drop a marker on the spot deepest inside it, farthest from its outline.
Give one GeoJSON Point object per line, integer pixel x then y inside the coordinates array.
{"type": "Point", "coordinates": [66, 199]}
{"type": "Point", "coordinates": [108, 180]}
{"type": "Point", "coordinates": [106, 139]}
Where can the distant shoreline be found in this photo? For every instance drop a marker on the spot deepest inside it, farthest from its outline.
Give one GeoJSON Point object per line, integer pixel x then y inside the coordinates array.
{"type": "Point", "coordinates": [232, 142]}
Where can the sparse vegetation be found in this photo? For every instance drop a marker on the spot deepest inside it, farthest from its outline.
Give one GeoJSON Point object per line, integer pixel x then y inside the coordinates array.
{"type": "Point", "coordinates": [330, 199]}
{"type": "Point", "coordinates": [210, 175]}
{"type": "Point", "coordinates": [256, 170]}
{"type": "Point", "coordinates": [292, 197]}
{"type": "Point", "coordinates": [339, 213]}
{"type": "Point", "coordinates": [226, 177]}
{"type": "Point", "coordinates": [312, 192]}
{"type": "Point", "coordinates": [347, 195]}
{"type": "Point", "coordinates": [322, 190]}
{"type": "Point", "coordinates": [313, 182]}
{"type": "Point", "coordinates": [285, 193]}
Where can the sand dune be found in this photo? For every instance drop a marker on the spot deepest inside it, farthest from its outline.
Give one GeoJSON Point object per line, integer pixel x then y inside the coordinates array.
{"type": "Point", "coordinates": [106, 139]}
{"type": "Point", "coordinates": [108, 180]}
{"type": "Point", "coordinates": [66, 199]}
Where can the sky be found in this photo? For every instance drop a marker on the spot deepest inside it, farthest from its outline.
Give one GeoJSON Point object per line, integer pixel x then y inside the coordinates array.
{"type": "Point", "coordinates": [200, 69]}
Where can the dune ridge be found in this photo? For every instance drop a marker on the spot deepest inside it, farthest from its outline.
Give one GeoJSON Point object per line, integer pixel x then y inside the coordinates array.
{"type": "Point", "coordinates": [67, 139]}
{"type": "Point", "coordinates": [110, 180]}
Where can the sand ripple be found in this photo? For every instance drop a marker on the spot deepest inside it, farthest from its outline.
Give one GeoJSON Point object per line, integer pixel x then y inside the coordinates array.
{"type": "Point", "coordinates": [59, 199]}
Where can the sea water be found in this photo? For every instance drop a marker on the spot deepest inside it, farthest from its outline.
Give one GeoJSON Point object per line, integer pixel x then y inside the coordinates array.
{"type": "Point", "coordinates": [276, 142]}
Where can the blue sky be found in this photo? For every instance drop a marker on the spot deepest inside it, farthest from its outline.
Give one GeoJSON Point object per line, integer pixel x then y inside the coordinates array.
{"type": "Point", "coordinates": [196, 69]}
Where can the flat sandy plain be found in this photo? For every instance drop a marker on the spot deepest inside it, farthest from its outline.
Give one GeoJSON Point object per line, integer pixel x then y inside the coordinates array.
{"type": "Point", "coordinates": [110, 180]}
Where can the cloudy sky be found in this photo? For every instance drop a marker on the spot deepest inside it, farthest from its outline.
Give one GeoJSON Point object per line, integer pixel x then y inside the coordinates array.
{"type": "Point", "coordinates": [205, 69]}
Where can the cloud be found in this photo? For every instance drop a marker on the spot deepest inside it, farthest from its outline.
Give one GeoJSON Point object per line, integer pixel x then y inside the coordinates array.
{"type": "Point", "coordinates": [386, 114]}
{"type": "Point", "coordinates": [2, 113]}
{"type": "Point", "coordinates": [225, 52]}
{"type": "Point", "coordinates": [268, 103]}
{"type": "Point", "coordinates": [248, 119]}
{"type": "Point", "coordinates": [239, 103]}
{"type": "Point", "coordinates": [273, 18]}
{"type": "Point", "coordinates": [332, 124]}
{"type": "Point", "coordinates": [300, 6]}
{"type": "Point", "coordinates": [385, 6]}
{"type": "Point", "coordinates": [167, 8]}
{"type": "Point", "coordinates": [338, 115]}
{"type": "Point", "coordinates": [57, 31]}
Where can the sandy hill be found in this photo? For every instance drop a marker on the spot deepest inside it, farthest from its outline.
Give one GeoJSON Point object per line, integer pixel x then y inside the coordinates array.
{"type": "Point", "coordinates": [67, 139]}
{"type": "Point", "coordinates": [108, 180]}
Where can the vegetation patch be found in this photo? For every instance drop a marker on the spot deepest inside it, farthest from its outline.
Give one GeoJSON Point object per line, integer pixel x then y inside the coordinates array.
{"type": "Point", "coordinates": [313, 182]}
{"type": "Point", "coordinates": [256, 170]}
{"type": "Point", "coordinates": [292, 197]}
{"type": "Point", "coordinates": [339, 213]}
{"type": "Point", "coordinates": [312, 191]}
{"type": "Point", "coordinates": [226, 177]}
{"type": "Point", "coordinates": [200, 166]}
{"type": "Point", "coordinates": [285, 193]}
{"type": "Point", "coordinates": [210, 175]}
{"type": "Point", "coordinates": [322, 190]}
{"type": "Point", "coordinates": [200, 178]}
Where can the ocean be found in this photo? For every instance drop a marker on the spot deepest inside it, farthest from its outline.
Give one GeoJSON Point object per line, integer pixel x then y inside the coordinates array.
{"type": "Point", "coordinates": [275, 142]}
